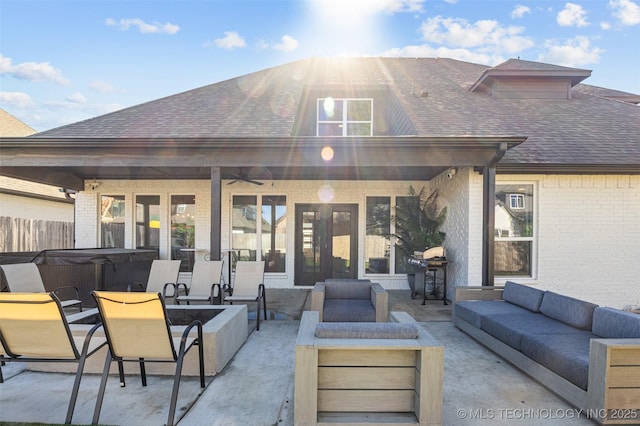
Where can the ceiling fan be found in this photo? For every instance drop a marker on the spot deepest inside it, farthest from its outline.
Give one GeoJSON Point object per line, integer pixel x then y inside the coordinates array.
{"type": "Point", "coordinates": [243, 175]}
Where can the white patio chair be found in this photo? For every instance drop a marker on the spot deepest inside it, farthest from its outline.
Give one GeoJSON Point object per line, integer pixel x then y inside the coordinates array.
{"type": "Point", "coordinates": [205, 279]}
{"type": "Point", "coordinates": [26, 278]}
{"type": "Point", "coordinates": [163, 274]}
{"type": "Point", "coordinates": [248, 286]}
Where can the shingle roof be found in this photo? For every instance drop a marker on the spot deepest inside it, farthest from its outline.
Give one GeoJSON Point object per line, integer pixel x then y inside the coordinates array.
{"type": "Point", "coordinates": [589, 128]}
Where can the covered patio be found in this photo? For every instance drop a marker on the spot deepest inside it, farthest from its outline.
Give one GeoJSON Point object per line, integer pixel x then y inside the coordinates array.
{"type": "Point", "coordinates": [256, 386]}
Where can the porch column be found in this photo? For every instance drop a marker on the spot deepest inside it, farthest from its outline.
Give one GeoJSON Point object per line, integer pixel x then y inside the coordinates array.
{"type": "Point", "coordinates": [489, 221]}
{"type": "Point", "coordinates": [216, 214]}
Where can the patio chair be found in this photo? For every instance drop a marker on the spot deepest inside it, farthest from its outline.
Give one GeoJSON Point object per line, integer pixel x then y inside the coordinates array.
{"type": "Point", "coordinates": [163, 274]}
{"type": "Point", "coordinates": [205, 279]}
{"type": "Point", "coordinates": [33, 328]}
{"type": "Point", "coordinates": [138, 330]}
{"type": "Point", "coordinates": [248, 286]}
{"type": "Point", "coordinates": [26, 278]}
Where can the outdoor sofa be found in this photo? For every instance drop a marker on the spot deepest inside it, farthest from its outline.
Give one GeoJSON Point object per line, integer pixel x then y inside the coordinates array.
{"type": "Point", "coordinates": [350, 300]}
{"type": "Point", "coordinates": [586, 354]}
{"type": "Point", "coordinates": [367, 372]}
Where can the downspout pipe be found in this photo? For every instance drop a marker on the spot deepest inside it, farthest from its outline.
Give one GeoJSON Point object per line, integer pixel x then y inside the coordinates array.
{"type": "Point", "coordinates": [489, 215]}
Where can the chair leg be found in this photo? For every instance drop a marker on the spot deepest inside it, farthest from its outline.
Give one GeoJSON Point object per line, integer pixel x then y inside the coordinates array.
{"type": "Point", "coordinates": [143, 372]}
{"type": "Point", "coordinates": [121, 374]}
{"type": "Point", "coordinates": [201, 356]}
{"type": "Point", "coordinates": [76, 388]}
{"type": "Point", "coordinates": [264, 305]}
{"type": "Point", "coordinates": [176, 387]}
{"type": "Point", "coordinates": [258, 316]}
{"type": "Point", "coordinates": [1, 376]}
{"type": "Point", "coordinates": [103, 385]}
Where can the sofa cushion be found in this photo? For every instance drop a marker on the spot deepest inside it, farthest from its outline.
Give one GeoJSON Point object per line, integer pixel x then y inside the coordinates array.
{"type": "Point", "coordinates": [576, 313]}
{"type": "Point", "coordinates": [348, 310]}
{"type": "Point", "coordinates": [473, 310]}
{"type": "Point", "coordinates": [522, 295]}
{"type": "Point", "coordinates": [616, 324]}
{"type": "Point", "coordinates": [565, 354]}
{"type": "Point", "coordinates": [347, 289]}
{"type": "Point", "coordinates": [367, 330]}
{"type": "Point", "coordinates": [509, 328]}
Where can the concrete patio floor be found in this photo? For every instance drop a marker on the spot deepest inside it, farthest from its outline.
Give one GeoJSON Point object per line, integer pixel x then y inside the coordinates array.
{"type": "Point", "coordinates": [256, 387]}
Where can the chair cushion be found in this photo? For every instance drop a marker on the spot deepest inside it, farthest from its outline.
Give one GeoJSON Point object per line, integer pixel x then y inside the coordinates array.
{"type": "Point", "coordinates": [472, 311]}
{"type": "Point", "coordinates": [576, 313]}
{"type": "Point", "coordinates": [509, 328]}
{"type": "Point", "coordinates": [367, 330]}
{"type": "Point", "coordinates": [616, 324]}
{"type": "Point", "coordinates": [348, 310]}
{"type": "Point", "coordinates": [565, 354]}
{"type": "Point", "coordinates": [347, 290]}
{"type": "Point", "coordinates": [522, 295]}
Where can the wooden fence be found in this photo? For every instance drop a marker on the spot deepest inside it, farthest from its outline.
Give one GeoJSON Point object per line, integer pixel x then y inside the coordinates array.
{"type": "Point", "coordinates": [17, 234]}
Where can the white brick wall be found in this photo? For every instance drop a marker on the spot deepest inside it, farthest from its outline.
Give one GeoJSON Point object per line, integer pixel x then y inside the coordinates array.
{"type": "Point", "coordinates": [588, 236]}
{"type": "Point", "coordinates": [588, 226]}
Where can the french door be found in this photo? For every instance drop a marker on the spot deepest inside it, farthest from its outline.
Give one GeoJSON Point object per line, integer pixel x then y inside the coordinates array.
{"type": "Point", "coordinates": [326, 242]}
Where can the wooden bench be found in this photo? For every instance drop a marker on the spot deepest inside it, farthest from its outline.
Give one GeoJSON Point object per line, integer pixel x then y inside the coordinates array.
{"type": "Point", "coordinates": [367, 381]}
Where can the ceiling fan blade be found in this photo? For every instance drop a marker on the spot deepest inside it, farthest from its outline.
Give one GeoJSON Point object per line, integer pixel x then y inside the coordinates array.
{"type": "Point", "coordinates": [255, 182]}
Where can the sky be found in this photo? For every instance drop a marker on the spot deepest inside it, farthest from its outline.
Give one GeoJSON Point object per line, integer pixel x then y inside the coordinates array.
{"type": "Point", "coordinates": [66, 61]}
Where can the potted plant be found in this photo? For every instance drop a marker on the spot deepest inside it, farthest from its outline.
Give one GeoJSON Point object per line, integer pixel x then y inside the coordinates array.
{"type": "Point", "coordinates": [417, 227]}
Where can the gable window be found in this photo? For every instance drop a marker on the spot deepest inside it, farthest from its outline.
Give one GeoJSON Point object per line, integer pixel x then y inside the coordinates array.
{"type": "Point", "coordinates": [345, 117]}
{"type": "Point", "coordinates": [515, 230]}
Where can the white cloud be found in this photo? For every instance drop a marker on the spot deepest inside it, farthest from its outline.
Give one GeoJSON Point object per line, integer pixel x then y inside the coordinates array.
{"type": "Point", "coordinates": [143, 27]}
{"type": "Point", "coordinates": [605, 25]}
{"type": "Point", "coordinates": [485, 35]}
{"type": "Point", "coordinates": [231, 40]}
{"type": "Point", "coordinates": [626, 11]}
{"type": "Point", "coordinates": [16, 99]}
{"type": "Point", "coordinates": [77, 98]}
{"type": "Point", "coordinates": [573, 15]}
{"type": "Point", "coordinates": [287, 44]}
{"type": "Point", "coordinates": [520, 11]}
{"type": "Point", "coordinates": [101, 86]}
{"type": "Point", "coordinates": [358, 7]}
{"type": "Point", "coordinates": [575, 52]}
{"type": "Point", "coordinates": [32, 71]}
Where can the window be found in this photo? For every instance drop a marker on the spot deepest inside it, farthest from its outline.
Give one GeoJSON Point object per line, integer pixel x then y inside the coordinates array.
{"type": "Point", "coordinates": [345, 117]}
{"type": "Point", "coordinates": [244, 229]}
{"type": "Point", "coordinates": [515, 233]}
{"type": "Point", "coordinates": [183, 230]}
{"type": "Point", "coordinates": [112, 221]}
{"type": "Point", "coordinates": [148, 222]}
{"type": "Point", "coordinates": [377, 244]}
{"type": "Point", "coordinates": [274, 232]}
{"type": "Point", "coordinates": [516, 201]}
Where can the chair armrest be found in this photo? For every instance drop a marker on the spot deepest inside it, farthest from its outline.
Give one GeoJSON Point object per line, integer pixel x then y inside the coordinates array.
{"type": "Point", "coordinates": [166, 286]}
{"type": "Point", "coordinates": [182, 285]}
{"type": "Point", "coordinates": [317, 299]}
{"type": "Point", "coordinates": [380, 301]}
{"type": "Point", "coordinates": [213, 293]}
{"type": "Point", "coordinates": [478, 293]}
{"type": "Point", "coordinates": [73, 289]}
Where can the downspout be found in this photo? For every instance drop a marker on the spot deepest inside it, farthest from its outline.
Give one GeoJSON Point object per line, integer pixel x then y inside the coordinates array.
{"type": "Point", "coordinates": [489, 215]}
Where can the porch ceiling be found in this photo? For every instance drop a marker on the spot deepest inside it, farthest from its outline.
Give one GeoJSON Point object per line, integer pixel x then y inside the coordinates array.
{"type": "Point", "coordinates": [69, 162]}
